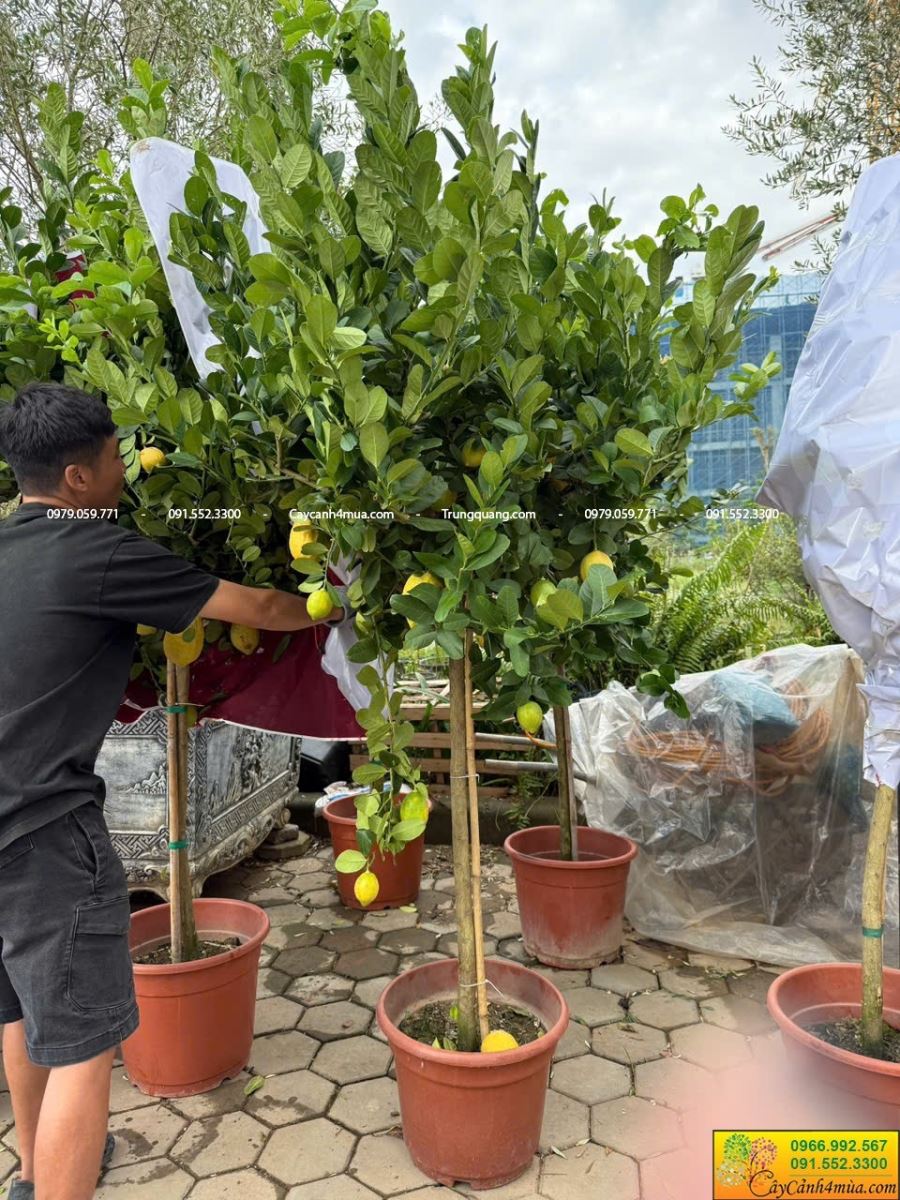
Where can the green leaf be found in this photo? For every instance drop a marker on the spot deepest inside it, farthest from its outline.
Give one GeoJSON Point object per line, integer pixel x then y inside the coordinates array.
{"type": "Point", "coordinates": [254, 1084]}
{"type": "Point", "coordinates": [322, 316]}
{"type": "Point", "coordinates": [375, 231]}
{"type": "Point", "coordinates": [348, 862]}
{"type": "Point", "coordinates": [295, 165]}
{"type": "Point", "coordinates": [633, 442]}
{"type": "Point", "coordinates": [373, 443]}
{"type": "Point", "coordinates": [261, 138]}
{"type": "Point", "coordinates": [408, 831]}
{"type": "Point", "coordinates": [345, 337]}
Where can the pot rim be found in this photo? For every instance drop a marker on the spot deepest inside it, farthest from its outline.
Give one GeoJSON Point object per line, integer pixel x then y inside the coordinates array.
{"type": "Point", "coordinates": [474, 1059]}
{"type": "Point", "coordinates": [518, 855]}
{"type": "Point", "coordinates": [201, 964]}
{"type": "Point", "coordinates": [338, 820]}
{"type": "Point", "coordinates": [789, 1026]}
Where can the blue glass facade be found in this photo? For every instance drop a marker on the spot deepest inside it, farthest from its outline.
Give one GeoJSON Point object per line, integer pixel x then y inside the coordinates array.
{"type": "Point", "coordinates": [726, 455]}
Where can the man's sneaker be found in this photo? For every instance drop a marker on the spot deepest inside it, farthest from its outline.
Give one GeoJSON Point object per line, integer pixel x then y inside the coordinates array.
{"type": "Point", "coordinates": [23, 1189]}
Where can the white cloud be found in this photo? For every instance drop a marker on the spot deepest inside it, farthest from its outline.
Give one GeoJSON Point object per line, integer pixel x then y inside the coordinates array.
{"type": "Point", "coordinates": [631, 94]}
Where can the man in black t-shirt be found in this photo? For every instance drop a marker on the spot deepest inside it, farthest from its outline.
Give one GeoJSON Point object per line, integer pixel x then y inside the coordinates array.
{"type": "Point", "coordinates": [72, 590]}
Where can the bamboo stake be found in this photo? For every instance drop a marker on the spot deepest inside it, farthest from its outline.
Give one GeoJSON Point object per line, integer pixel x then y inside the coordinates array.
{"type": "Point", "coordinates": [475, 836]}
{"type": "Point", "coordinates": [872, 1017]}
{"type": "Point", "coordinates": [184, 929]}
{"type": "Point", "coordinates": [462, 861]}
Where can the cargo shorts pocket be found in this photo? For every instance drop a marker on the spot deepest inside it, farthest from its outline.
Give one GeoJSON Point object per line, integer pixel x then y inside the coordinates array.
{"type": "Point", "coordinates": [100, 974]}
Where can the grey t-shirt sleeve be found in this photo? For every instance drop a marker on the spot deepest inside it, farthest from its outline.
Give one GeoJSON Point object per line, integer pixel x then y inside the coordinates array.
{"type": "Point", "coordinates": [148, 585]}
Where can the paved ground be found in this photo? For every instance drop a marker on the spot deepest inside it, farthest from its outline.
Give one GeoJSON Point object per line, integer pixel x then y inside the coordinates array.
{"type": "Point", "coordinates": [647, 1038]}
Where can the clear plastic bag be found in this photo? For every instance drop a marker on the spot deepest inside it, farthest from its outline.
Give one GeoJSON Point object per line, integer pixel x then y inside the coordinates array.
{"type": "Point", "coordinates": [751, 817]}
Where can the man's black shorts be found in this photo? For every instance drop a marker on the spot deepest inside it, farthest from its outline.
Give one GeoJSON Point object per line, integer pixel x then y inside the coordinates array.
{"type": "Point", "coordinates": [65, 966]}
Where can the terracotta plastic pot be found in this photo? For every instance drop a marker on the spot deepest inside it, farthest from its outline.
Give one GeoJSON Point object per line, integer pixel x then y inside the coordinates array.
{"type": "Point", "coordinates": [571, 912]}
{"type": "Point", "coordinates": [399, 876]}
{"type": "Point", "coordinates": [196, 1018]}
{"type": "Point", "coordinates": [471, 1117]}
{"type": "Point", "coordinates": [824, 992]}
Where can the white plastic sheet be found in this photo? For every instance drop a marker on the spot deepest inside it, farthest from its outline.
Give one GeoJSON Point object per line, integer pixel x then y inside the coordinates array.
{"type": "Point", "coordinates": [159, 170]}
{"type": "Point", "coordinates": [751, 818]}
{"type": "Point", "coordinates": [836, 467]}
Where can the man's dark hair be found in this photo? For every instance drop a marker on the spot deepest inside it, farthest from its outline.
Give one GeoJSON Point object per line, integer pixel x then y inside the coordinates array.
{"type": "Point", "coordinates": [47, 427]}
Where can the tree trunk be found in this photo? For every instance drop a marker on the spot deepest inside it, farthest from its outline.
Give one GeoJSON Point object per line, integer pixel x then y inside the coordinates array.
{"type": "Point", "coordinates": [475, 836]}
{"type": "Point", "coordinates": [872, 1027]}
{"type": "Point", "coordinates": [568, 811]}
{"type": "Point", "coordinates": [184, 929]}
{"type": "Point", "coordinates": [462, 861]}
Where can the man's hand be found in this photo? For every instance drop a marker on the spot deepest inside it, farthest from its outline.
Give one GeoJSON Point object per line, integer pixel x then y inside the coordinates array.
{"type": "Point", "coordinates": [264, 608]}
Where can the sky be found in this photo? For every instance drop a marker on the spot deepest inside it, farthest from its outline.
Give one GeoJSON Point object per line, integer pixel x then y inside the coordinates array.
{"type": "Point", "coordinates": [631, 95]}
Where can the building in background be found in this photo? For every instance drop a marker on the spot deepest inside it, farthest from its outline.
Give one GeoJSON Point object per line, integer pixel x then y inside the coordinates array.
{"type": "Point", "coordinates": [727, 455]}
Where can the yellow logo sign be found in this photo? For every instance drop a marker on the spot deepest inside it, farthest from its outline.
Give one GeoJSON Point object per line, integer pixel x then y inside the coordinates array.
{"type": "Point", "coordinates": [818, 1164]}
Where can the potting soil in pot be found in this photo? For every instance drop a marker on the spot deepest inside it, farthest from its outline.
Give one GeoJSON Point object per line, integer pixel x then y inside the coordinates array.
{"type": "Point", "coordinates": [437, 1021]}
{"type": "Point", "coordinates": [161, 955]}
{"type": "Point", "coordinates": [845, 1035]}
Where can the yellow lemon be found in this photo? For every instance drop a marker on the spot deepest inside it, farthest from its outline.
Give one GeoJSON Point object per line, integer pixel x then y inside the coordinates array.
{"type": "Point", "coordinates": [151, 458]}
{"type": "Point", "coordinates": [472, 454]}
{"type": "Point", "coordinates": [498, 1040]}
{"type": "Point", "coordinates": [186, 647]}
{"type": "Point", "coordinates": [365, 888]}
{"type": "Point", "coordinates": [319, 605]}
{"type": "Point", "coordinates": [244, 638]}
{"type": "Point", "coordinates": [596, 558]}
{"type": "Point", "coordinates": [301, 536]}
{"type": "Point", "coordinates": [530, 715]}
{"type": "Point", "coordinates": [146, 630]}
{"type": "Point", "coordinates": [414, 581]}
{"type": "Point", "coordinates": [414, 807]}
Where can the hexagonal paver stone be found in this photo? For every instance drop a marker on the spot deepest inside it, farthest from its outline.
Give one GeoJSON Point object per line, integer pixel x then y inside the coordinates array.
{"type": "Point", "coordinates": [144, 1133]}
{"type": "Point", "coordinates": [407, 941]}
{"type": "Point", "coordinates": [623, 979]}
{"type": "Point", "coordinates": [148, 1180]}
{"type": "Point", "coordinates": [320, 989]}
{"type": "Point", "coordinates": [311, 1150]}
{"type": "Point", "coordinates": [752, 985]}
{"type": "Point", "coordinates": [503, 924]}
{"type": "Point", "coordinates": [281, 1052]}
{"type": "Point", "coordinates": [218, 1144]}
{"type": "Point", "coordinates": [383, 1162]}
{"type": "Point", "coordinates": [719, 962]}
{"type": "Point", "coordinates": [673, 1176]}
{"type": "Point", "coordinates": [123, 1095]}
{"type": "Point", "coordinates": [652, 956]}
{"type": "Point", "coordinates": [354, 937]}
{"type": "Point", "coordinates": [290, 914]}
{"type": "Point", "coordinates": [738, 1014]}
{"type": "Point", "coordinates": [8, 1162]}
{"type": "Point", "coordinates": [368, 1107]}
{"type": "Point", "coordinates": [271, 983]}
{"type": "Point", "coordinates": [293, 936]}
{"type": "Point", "coordinates": [286, 1099]}
{"type": "Point", "coordinates": [340, 1020]}
{"type": "Point", "coordinates": [672, 1081]}
{"type": "Point", "coordinates": [275, 1014]}
{"type": "Point", "coordinates": [590, 1079]}
{"type": "Point", "coordinates": [306, 961]}
{"type": "Point", "coordinates": [593, 1007]}
{"type": "Point", "coordinates": [576, 1040]}
{"type": "Point", "coordinates": [312, 882]}
{"type": "Point", "coordinates": [566, 1122]}
{"type": "Point", "coordinates": [389, 918]}
{"type": "Point", "coordinates": [448, 945]}
{"type": "Point", "coordinates": [351, 1059]}
{"type": "Point", "coordinates": [662, 1010]}
{"type": "Point", "coordinates": [565, 980]}
{"type": "Point", "coordinates": [332, 917]}
{"type": "Point", "coordinates": [299, 866]}
{"type": "Point", "coordinates": [628, 1042]}
{"type": "Point", "coordinates": [514, 948]}
{"type": "Point", "coordinates": [635, 1127]}
{"type": "Point", "coordinates": [366, 964]}
{"type": "Point", "coordinates": [688, 981]}
{"type": "Point", "coordinates": [588, 1173]}
{"type": "Point", "coordinates": [367, 991]}
{"type": "Point", "coordinates": [327, 897]}
{"type": "Point", "coordinates": [239, 1185]}
{"type": "Point", "coordinates": [710, 1047]}
{"type": "Point", "coordinates": [227, 1097]}
{"type": "Point", "coordinates": [523, 1188]}
{"type": "Point", "coordinates": [342, 1187]}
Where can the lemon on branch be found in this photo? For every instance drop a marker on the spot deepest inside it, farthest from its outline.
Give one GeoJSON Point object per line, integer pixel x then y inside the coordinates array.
{"type": "Point", "coordinates": [365, 888]}
{"type": "Point", "coordinates": [319, 605]}
{"type": "Point", "coordinates": [301, 535]}
{"type": "Point", "coordinates": [152, 457]}
{"type": "Point", "coordinates": [541, 589]}
{"type": "Point", "coordinates": [415, 581]}
{"type": "Point", "coordinates": [244, 638]}
{"type": "Point", "coordinates": [596, 558]}
{"type": "Point", "coordinates": [497, 1041]}
{"type": "Point", "coordinates": [530, 715]}
{"type": "Point", "coordinates": [186, 647]}
{"type": "Point", "coordinates": [473, 454]}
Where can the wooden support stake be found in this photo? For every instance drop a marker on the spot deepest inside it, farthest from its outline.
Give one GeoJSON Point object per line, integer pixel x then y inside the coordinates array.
{"type": "Point", "coordinates": [181, 900]}
{"type": "Point", "coordinates": [568, 809]}
{"type": "Point", "coordinates": [462, 861]}
{"type": "Point", "coordinates": [872, 1017]}
{"type": "Point", "coordinates": [475, 837]}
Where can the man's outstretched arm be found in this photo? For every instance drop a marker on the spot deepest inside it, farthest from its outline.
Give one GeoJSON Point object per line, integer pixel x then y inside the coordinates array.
{"type": "Point", "coordinates": [260, 608]}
